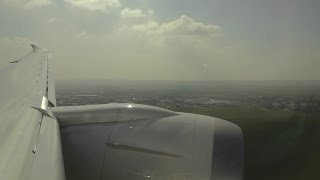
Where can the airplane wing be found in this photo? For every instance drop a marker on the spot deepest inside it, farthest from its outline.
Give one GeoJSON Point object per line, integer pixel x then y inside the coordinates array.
{"type": "Point", "coordinates": [104, 142]}
{"type": "Point", "coordinates": [30, 145]}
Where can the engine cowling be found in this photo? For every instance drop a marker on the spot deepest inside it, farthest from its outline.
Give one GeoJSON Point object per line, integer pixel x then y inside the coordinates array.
{"type": "Point", "coordinates": [130, 141]}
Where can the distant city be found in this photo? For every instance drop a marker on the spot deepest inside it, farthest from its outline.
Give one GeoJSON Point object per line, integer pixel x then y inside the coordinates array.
{"type": "Point", "coordinates": [270, 95]}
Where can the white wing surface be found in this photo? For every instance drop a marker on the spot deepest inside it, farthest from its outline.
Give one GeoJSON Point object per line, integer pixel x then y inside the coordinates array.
{"type": "Point", "coordinates": [29, 133]}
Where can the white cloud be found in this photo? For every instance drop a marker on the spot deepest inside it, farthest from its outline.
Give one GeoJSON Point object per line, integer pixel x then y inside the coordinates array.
{"type": "Point", "coordinates": [149, 27]}
{"type": "Point", "coordinates": [184, 26]}
{"type": "Point", "coordinates": [187, 26]}
{"type": "Point", "coordinates": [38, 3]}
{"type": "Point", "coordinates": [29, 3]}
{"type": "Point", "coordinates": [127, 13]}
{"type": "Point", "coordinates": [182, 30]}
{"type": "Point", "coordinates": [135, 15]}
{"type": "Point", "coordinates": [95, 5]}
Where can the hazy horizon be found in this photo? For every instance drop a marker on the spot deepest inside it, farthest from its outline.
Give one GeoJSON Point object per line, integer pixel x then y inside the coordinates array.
{"type": "Point", "coordinates": [167, 40]}
{"type": "Point", "coordinates": [205, 87]}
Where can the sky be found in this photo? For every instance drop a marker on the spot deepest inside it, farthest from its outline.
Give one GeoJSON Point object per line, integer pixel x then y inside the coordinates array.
{"type": "Point", "coordinates": [167, 39]}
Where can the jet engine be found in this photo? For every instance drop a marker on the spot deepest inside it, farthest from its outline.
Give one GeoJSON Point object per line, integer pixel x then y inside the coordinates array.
{"type": "Point", "coordinates": [133, 142]}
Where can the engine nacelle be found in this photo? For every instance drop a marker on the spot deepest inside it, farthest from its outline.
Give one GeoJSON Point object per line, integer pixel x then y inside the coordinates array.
{"type": "Point", "coordinates": [131, 141]}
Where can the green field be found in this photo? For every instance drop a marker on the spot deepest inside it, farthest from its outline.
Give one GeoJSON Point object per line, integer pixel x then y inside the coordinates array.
{"type": "Point", "coordinates": [279, 145]}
